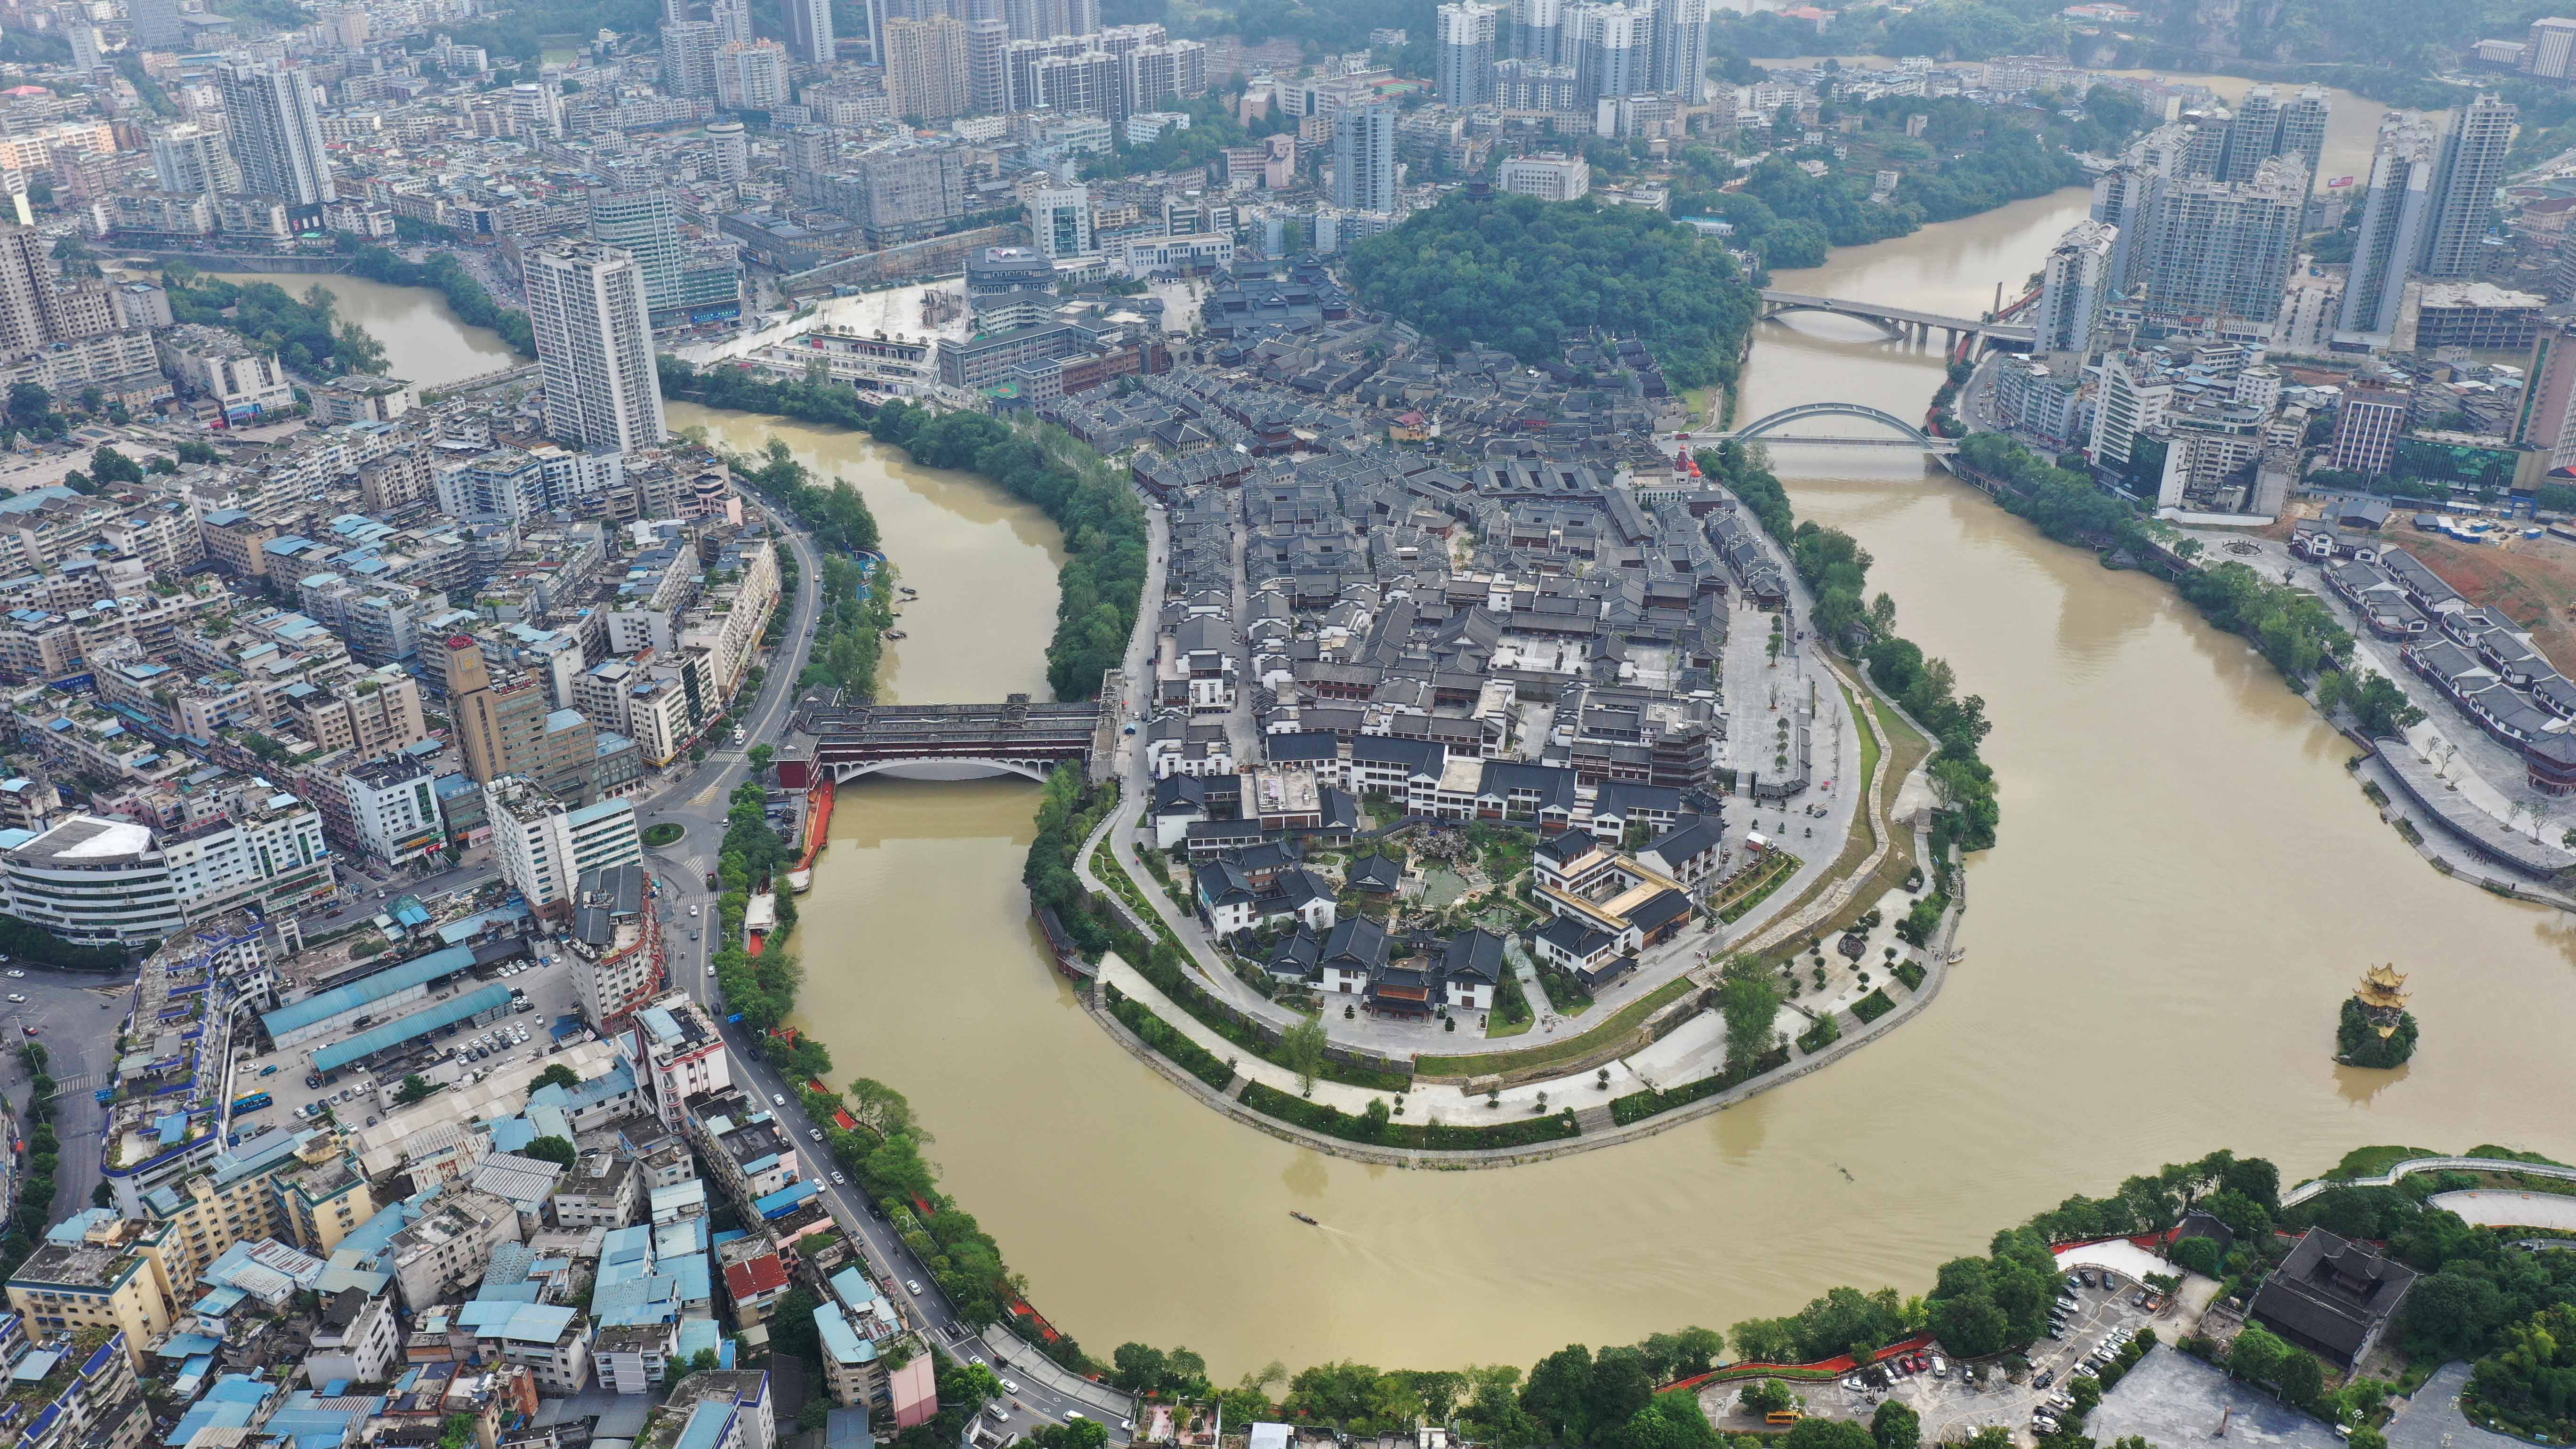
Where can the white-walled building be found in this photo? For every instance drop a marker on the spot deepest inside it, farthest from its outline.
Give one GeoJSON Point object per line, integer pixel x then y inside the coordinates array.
{"type": "Point", "coordinates": [543, 847]}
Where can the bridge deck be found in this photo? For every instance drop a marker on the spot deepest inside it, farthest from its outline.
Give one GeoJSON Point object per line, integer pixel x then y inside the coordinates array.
{"type": "Point", "coordinates": [1013, 728]}
{"type": "Point", "coordinates": [1777, 298]}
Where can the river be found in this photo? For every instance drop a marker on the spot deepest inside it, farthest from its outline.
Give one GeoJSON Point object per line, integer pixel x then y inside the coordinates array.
{"type": "Point", "coordinates": [2186, 886]}
{"type": "Point", "coordinates": [426, 344]}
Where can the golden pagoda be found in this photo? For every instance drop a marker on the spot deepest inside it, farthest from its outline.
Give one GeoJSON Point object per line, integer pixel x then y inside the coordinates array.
{"type": "Point", "coordinates": [2383, 993]}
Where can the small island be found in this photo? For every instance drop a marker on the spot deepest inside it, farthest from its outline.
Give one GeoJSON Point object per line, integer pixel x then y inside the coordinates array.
{"type": "Point", "coordinates": [2377, 1030]}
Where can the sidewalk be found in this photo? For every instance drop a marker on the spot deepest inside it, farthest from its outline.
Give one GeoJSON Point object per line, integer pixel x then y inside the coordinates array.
{"type": "Point", "coordinates": [1423, 1104]}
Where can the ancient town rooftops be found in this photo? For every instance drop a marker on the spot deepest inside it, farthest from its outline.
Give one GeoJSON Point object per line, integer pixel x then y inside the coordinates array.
{"type": "Point", "coordinates": [2331, 1296]}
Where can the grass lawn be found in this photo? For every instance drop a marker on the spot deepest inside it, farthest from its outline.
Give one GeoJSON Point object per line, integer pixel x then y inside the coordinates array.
{"type": "Point", "coordinates": [659, 835]}
{"type": "Point", "coordinates": [1496, 1028]}
{"type": "Point", "coordinates": [2372, 1161]}
{"type": "Point", "coordinates": [1625, 1020]}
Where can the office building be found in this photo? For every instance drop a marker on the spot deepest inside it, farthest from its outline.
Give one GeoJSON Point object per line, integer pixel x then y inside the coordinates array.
{"type": "Point", "coordinates": [1548, 175]}
{"type": "Point", "coordinates": [2221, 252]}
{"type": "Point", "coordinates": [543, 846]}
{"type": "Point", "coordinates": [2473, 152]}
{"type": "Point", "coordinates": [2549, 46]}
{"type": "Point", "coordinates": [646, 226]}
{"type": "Point", "coordinates": [2367, 431]}
{"type": "Point", "coordinates": [2396, 226]}
{"type": "Point", "coordinates": [586, 303]}
{"type": "Point", "coordinates": [809, 30]}
{"type": "Point", "coordinates": [277, 136]}
{"type": "Point", "coordinates": [1465, 58]}
{"type": "Point", "coordinates": [926, 70]}
{"type": "Point", "coordinates": [1364, 159]}
{"type": "Point", "coordinates": [156, 24]}
{"type": "Point", "coordinates": [1060, 222]}
{"type": "Point", "coordinates": [2072, 289]}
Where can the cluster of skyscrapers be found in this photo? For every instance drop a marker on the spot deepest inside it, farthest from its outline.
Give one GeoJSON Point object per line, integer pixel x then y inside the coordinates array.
{"type": "Point", "coordinates": [2433, 185]}
{"type": "Point", "coordinates": [1596, 49]}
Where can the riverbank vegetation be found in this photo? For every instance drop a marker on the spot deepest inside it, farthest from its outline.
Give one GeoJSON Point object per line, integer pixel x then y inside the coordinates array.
{"type": "Point", "coordinates": [442, 273]}
{"type": "Point", "coordinates": [856, 608]}
{"type": "Point", "coordinates": [1102, 582]}
{"type": "Point", "coordinates": [1518, 273]}
{"type": "Point", "coordinates": [305, 333]}
{"type": "Point", "coordinates": [1835, 569]}
{"type": "Point", "coordinates": [2358, 1042]}
{"type": "Point", "coordinates": [2290, 627]}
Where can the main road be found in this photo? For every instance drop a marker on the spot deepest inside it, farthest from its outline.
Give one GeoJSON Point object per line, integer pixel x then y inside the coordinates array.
{"type": "Point", "coordinates": [1039, 1391]}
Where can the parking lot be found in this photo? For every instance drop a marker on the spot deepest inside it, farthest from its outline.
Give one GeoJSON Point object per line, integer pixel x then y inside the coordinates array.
{"type": "Point", "coordinates": [1962, 1398]}
{"type": "Point", "coordinates": [353, 1094]}
{"type": "Point", "coordinates": [75, 1017]}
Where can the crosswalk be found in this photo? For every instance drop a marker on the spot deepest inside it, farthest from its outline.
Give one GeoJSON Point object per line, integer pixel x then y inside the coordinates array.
{"type": "Point", "coordinates": [76, 1086]}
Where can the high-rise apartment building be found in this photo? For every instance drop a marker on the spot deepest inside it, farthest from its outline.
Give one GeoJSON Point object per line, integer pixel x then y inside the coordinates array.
{"type": "Point", "coordinates": [2252, 135]}
{"type": "Point", "coordinates": [646, 226]}
{"type": "Point", "coordinates": [1164, 72]}
{"type": "Point", "coordinates": [1612, 47]}
{"type": "Point", "coordinates": [926, 68]}
{"type": "Point", "coordinates": [2303, 129]}
{"type": "Point", "coordinates": [2396, 226]}
{"type": "Point", "coordinates": [2121, 197]}
{"type": "Point", "coordinates": [1364, 158]}
{"type": "Point", "coordinates": [751, 75]}
{"type": "Point", "coordinates": [988, 85]}
{"type": "Point", "coordinates": [2072, 288]}
{"type": "Point", "coordinates": [1466, 52]}
{"type": "Point", "coordinates": [544, 846]}
{"type": "Point", "coordinates": [277, 135]}
{"type": "Point", "coordinates": [731, 146]}
{"type": "Point", "coordinates": [1538, 31]}
{"type": "Point", "coordinates": [194, 161]}
{"type": "Point", "coordinates": [689, 49]}
{"type": "Point", "coordinates": [1680, 64]}
{"type": "Point", "coordinates": [2222, 251]}
{"type": "Point", "coordinates": [732, 20]}
{"type": "Point", "coordinates": [2473, 152]}
{"type": "Point", "coordinates": [809, 30]}
{"type": "Point", "coordinates": [2547, 418]}
{"type": "Point", "coordinates": [586, 303]}
{"type": "Point", "coordinates": [1047, 19]}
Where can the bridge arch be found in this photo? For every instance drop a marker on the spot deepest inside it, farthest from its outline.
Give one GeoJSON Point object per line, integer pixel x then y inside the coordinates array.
{"type": "Point", "coordinates": [1762, 425]}
{"type": "Point", "coordinates": [942, 767]}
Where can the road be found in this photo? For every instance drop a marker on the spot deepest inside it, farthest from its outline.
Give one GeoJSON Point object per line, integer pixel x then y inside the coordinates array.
{"type": "Point", "coordinates": [697, 802]}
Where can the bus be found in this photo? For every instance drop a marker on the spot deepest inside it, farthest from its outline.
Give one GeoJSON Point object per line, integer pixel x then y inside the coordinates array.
{"type": "Point", "coordinates": [252, 1103]}
{"type": "Point", "coordinates": [1781, 1416]}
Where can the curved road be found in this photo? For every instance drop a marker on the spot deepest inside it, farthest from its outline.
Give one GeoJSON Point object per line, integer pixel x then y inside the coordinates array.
{"type": "Point", "coordinates": [1041, 1392]}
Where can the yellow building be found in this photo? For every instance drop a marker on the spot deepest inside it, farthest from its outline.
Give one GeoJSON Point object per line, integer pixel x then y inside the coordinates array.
{"type": "Point", "coordinates": [111, 1277]}
{"type": "Point", "coordinates": [299, 1188]}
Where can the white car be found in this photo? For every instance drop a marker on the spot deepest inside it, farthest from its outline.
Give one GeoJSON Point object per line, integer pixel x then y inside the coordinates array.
{"type": "Point", "coordinates": [17, 975]}
{"type": "Point", "coordinates": [1072, 1414]}
{"type": "Point", "coordinates": [914, 1284]}
{"type": "Point", "coordinates": [1009, 1388]}
{"type": "Point", "coordinates": [15, 997]}
{"type": "Point", "coordinates": [840, 1180]}
{"type": "Point", "coordinates": [776, 1100]}
{"type": "Point", "coordinates": [693, 910]}
{"type": "Point", "coordinates": [816, 1133]}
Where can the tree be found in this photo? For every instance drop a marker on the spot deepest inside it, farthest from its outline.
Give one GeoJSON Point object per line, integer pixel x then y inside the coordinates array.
{"type": "Point", "coordinates": [2256, 1354]}
{"type": "Point", "coordinates": [1672, 1356]}
{"type": "Point", "coordinates": [1896, 1426]}
{"type": "Point", "coordinates": [2199, 1254]}
{"type": "Point", "coordinates": [2298, 1377]}
{"type": "Point", "coordinates": [1301, 1050]}
{"type": "Point", "coordinates": [29, 404]}
{"type": "Point", "coordinates": [1138, 1368]}
{"type": "Point", "coordinates": [552, 1149]}
{"type": "Point", "coordinates": [1826, 1434]}
{"type": "Point", "coordinates": [1751, 1005]}
{"type": "Point", "coordinates": [759, 757]}
{"type": "Point", "coordinates": [414, 1087]}
{"type": "Point", "coordinates": [1767, 1396]}
{"type": "Point", "coordinates": [110, 466]}
{"type": "Point", "coordinates": [1079, 1434]}
{"type": "Point", "coordinates": [557, 1075]}
{"type": "Point", "coordinates": [816, 1413]}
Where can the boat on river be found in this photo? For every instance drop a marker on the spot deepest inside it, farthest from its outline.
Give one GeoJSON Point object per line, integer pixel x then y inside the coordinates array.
{"type": "Point", "coordinates": [1301, 1217]}
{"type": "Point", "coordinates": [896, 634]}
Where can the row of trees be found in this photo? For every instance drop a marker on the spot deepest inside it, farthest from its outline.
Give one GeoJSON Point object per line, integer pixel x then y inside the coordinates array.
{"type": "Point", "coordinates": [849, 637]}
{"type": "Point", "coordinates": [815, 399]}
{"type": "Point", "coordinates": [1518, 273]}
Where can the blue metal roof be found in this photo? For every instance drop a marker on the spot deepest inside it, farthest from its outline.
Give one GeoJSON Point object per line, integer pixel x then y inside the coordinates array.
{"type": "Point", "coordinates": [322, 1006]}
{"type": "Point", "coordinates": [420, 1023]}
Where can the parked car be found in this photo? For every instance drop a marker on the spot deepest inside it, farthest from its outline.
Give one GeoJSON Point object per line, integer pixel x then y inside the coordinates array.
{"type": "Point", "coordinates": [14, 997]}
{"type": "Point", "coordinates": [17, 975]}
